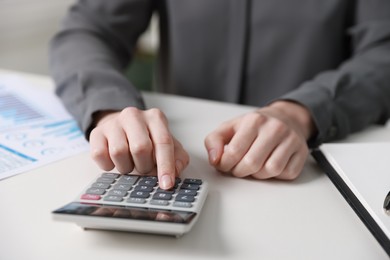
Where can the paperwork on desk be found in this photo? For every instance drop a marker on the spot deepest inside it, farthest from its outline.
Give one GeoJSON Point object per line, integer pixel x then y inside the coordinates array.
{"type": "Point", "coordinates": [35, 129]}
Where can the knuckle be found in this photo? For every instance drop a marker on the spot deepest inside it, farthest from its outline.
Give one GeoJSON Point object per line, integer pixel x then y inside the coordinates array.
{"type": "Point", "coordinates": [96, 134]}
{"type": "Point", "coordinates": [141, 148]}
{"type": "Point", "coordinates": [273, 168]}
{"type": "Point", "coordinates": [278, 126]}
{"type": "Point", "coordinates": [290, 175]}
{"type": "Point", "coordinates": [233, 149]}
{"type": "Point", "coordinates": [233, 153]}
{"type": "Point", "coordinates": [251, 164]}
{"type": "Point", "coordinates": [156, 113]}
{"type": "Point", "coordinates": [124, 170]}
{"type": "Point", "coordinates": [98, 154]}
{"type": "Point", "coordinates": [118, 151]}
{"type": "Point", "coordinates": [107, 167]}
{"type": "Point", "coordinates": [241, 171]}
{"type": "Point", "coordinates": [129, 111]}
{"type": "Point", "coordinates": [260, 176]}
{"type": "Point", "coordinates": [253, 120]}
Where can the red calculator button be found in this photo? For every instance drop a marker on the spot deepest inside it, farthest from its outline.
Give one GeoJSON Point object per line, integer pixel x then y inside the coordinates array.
{"type": "Point", "coordinates": [90, 197]}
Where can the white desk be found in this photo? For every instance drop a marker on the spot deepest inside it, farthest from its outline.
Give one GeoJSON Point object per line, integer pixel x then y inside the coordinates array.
{"type": "Point", "coordinates": [242, 218]}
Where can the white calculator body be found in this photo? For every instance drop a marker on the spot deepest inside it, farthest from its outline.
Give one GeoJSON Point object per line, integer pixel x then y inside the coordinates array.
{"type": "Point", "coordinates": [136, 203]}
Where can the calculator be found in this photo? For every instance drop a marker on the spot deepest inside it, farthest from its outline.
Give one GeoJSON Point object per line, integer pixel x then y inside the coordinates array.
{"type": "Point", "coordinates": [136, 203]}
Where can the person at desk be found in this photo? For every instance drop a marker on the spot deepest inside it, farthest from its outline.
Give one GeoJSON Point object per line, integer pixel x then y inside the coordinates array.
{"type": "Point", "coordinates": [316, 70]}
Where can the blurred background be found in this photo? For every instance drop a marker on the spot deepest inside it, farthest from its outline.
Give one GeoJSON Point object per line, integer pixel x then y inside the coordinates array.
{"type": "Point", "coordinates": [26, 27]}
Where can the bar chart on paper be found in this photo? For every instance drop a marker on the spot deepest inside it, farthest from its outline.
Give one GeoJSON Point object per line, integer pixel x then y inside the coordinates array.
{"type": "Point", "coordinates": [32, 132]}
{"type": "Point", "coordinates": [13, 112]}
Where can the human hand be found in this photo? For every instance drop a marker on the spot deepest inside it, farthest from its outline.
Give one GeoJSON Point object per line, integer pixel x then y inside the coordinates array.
{"type": "Point", "coordinates": [267, 143]}
{"type": "Point", "coordinates": [134, 138]}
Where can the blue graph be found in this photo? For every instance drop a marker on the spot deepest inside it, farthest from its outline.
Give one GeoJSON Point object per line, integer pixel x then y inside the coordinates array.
{"type": "Point", "coordinates": [15, 112]}
{"type": "Point", "coordinates": [67, 128]}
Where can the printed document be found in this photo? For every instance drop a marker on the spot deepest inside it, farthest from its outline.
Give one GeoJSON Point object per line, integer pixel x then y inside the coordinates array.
{"type": "Point", "coordinates": [35, 128]}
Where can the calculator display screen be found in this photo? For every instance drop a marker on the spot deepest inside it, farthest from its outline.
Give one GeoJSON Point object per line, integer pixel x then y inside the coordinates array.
{"type": "Point", "coordinates": [147, 214]}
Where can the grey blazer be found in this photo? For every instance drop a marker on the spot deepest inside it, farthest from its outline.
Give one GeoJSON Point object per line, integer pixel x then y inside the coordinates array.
{"type": "Point", "coordinates": [332, 56]}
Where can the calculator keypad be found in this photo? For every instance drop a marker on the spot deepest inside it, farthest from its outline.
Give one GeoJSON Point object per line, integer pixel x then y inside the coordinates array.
{"type": "Point", "coordinates": [131, 190]}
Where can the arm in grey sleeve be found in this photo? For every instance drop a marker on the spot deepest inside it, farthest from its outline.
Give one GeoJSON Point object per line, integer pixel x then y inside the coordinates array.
{"type": "Point", "coordinates": [91, 50]}
{"type": "Point", "coordinates": [358, 92]}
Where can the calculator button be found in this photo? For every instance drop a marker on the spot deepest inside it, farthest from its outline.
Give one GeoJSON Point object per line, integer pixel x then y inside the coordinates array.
{"type": "Point", "coordinates": [121, 193]}
{"type": "Point", "coordinates": [119, 186]}
{"type": "Point", "coordinates": [162, 196]}
{"type": "Point", "coordinates": [143, 188]}
{"type": "Point", "coordinates": [136, 200]}
{"type": "Point", "coordinates": [182, 204]}
{"type": "Point", "coordinates": [111, 175]}
{"type": "Point", "coordinates": [90, 197]}
{"type": "Point", "coordinates": [185, 198]}
{"type": "Point", "coordinates": [159, 202]}
{"type": "Point", "coordinates": [128, 179]}
{"type": "Point", "coordinates": [188, 192]}
{"type": "Point", "coordinates": [189, 186]}
{"type": "Point", "coordinates": [150, 178]}
{"type": "Point", "coordinates": [165, 191]}
{"type": "Point", "coordinates": [101, 185]}
{"type": "Point", "coordinates": [96, 191]}
{"type": "Point", "coordinates": [148, 182]}
{"type": "Point", "coordinates": [140, 194]}
{"type": "Point", "coordinates": [193, 181]}
{"type": "Point", "coordinates": [105, 180]}
{"type": "Point", "coordinates": [113, 198]}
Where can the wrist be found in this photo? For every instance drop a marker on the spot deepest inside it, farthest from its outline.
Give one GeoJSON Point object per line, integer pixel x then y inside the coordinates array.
{"type": "Point", "coordinates": [298, 115]}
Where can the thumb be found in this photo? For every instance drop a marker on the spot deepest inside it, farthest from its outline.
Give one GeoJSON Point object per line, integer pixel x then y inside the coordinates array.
{"type": "Point", "coordinates": [215, 143]}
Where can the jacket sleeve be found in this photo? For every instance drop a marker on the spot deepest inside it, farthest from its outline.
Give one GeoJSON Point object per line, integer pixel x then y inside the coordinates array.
{"type": "Point", "coordinates": [357, 94]}
{"type": "Point", "coordinates": [90, 52]}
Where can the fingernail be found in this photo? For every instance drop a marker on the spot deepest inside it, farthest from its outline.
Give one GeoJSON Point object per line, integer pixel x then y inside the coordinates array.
{"type": "Point", "coordinates": [213, 155]}
{"type": "Point", "coordinates": [179, 166]}
{"type": "Point", "coordinates": [166, 182]}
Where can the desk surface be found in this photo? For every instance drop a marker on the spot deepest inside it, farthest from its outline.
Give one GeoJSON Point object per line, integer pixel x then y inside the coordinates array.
{"type": "Point", "coordinates": [242, 218]}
